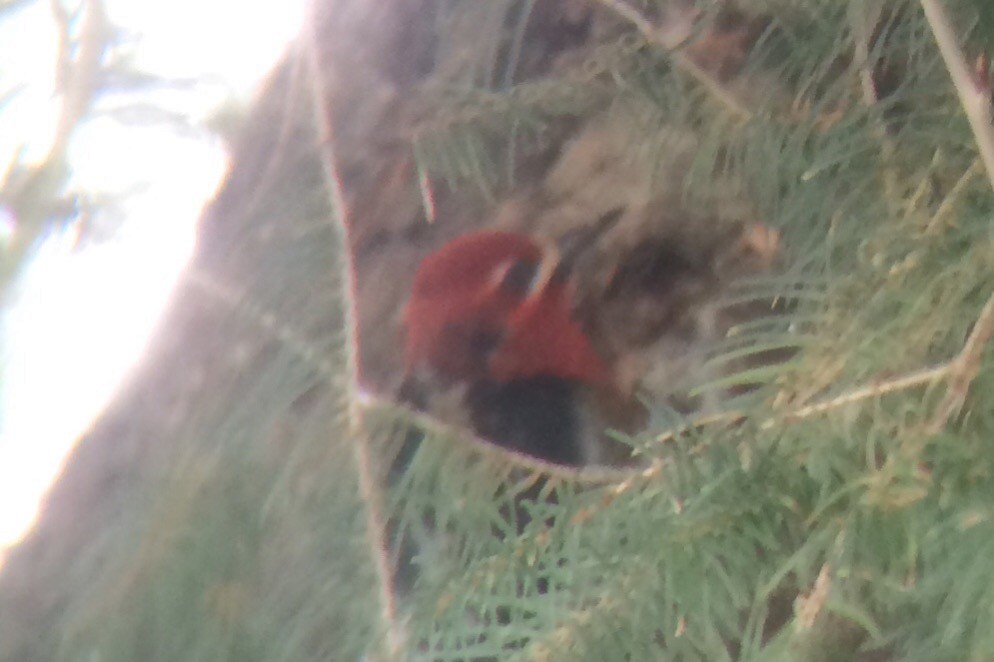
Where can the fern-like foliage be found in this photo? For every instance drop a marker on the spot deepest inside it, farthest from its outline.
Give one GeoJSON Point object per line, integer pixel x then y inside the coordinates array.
{"type": "Point", "coordinates": [798, 496]}
{"type": "Point", "coordinates": [825, 510]}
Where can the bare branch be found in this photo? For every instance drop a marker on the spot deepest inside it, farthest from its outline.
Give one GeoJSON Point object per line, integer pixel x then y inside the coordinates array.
{"type": "Point", "coordinates": [964, 368]}
{"type": "Point", "coordinates": [369, 487]}
{"type": "Point", "coordinates": [974, 90]}
{"type": "Point", "coordinates": [873, 390]}
{"type": "Point", "coordinates": [960, 371]}
{"type": "Point", "coordinates": [974, 94]}
{"type": "Point", "coordinates": [863, 18]}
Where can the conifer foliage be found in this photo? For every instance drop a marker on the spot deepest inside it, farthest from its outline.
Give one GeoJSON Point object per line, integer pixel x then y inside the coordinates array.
{"type": "Point", "coordinates": [826, 493]}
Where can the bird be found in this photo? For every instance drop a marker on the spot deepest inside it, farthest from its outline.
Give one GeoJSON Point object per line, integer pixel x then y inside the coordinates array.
{"type": "Point", "coordinates": [492, 311]}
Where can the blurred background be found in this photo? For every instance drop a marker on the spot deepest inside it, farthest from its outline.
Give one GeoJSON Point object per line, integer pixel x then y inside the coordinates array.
{"type": "Point", "coordinates": [113, 117]}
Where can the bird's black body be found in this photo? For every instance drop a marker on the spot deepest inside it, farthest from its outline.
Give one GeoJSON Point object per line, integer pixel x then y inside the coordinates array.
{"type": "Point", "coordinates": [537, 416]}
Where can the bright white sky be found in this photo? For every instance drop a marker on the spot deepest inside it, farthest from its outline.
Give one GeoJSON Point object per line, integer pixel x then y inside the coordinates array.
{"type": "Point", "coordinates": [78, 320]}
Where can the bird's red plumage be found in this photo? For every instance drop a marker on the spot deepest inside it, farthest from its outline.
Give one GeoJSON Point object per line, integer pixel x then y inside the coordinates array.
{"type": "Point", "coordinates": [463, 325]}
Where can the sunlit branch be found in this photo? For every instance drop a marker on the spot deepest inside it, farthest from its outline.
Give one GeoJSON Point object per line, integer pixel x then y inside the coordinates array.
{"type": "Point", "coordinates": [974, 93]}
{"type": "Point", "coordinates": [369, 485]}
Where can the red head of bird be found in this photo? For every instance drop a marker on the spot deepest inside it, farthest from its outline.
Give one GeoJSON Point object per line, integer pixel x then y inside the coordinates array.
{"type": "Point", "coordinates": [492, 305]}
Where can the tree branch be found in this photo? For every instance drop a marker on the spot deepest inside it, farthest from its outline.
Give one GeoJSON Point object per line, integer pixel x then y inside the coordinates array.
{"type": "Point", "coordinates": [369, 486]}
{"type": "Point", "coordinates": [974, 91]}
{"type": "Point", "coordinates": [964, 368]}
{"type": "Point", "coordinates": [872, 390]}
{"type": "Point", "coordinates": [974, 94]}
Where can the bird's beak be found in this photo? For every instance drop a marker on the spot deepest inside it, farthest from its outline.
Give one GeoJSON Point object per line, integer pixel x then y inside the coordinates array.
{"type": "Point", "coordinates": [547, 270]}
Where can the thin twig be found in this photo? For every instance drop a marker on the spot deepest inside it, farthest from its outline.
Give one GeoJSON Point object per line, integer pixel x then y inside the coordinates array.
{"type": "Point", "coordinates": [960, 371]}
{"type": "Point", "coordinates": [964, 368]}
{"type": "Point", "coordinates": [954, 196]}
{"type": "Point", "coordinates": [927, 182]}
{"type": "Point", "coordinates": [369, 487]}
{"type": "Point", "coordinates": [862, 27]}
{"type": "Point", "coordinates": [432, 426]}
{"type": "Point", "coordinates": [730, 417]}
{"type": "Point", "coordinates": [918, 378]}
{"type": "Point", "coordinates": [974, 95]}
{"type": "Point", "coordinates": [863, 17]}
{"type": "Point", "coordinates": [875, 389]}
{"type": "Point", "coordinates": [654, 35]}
